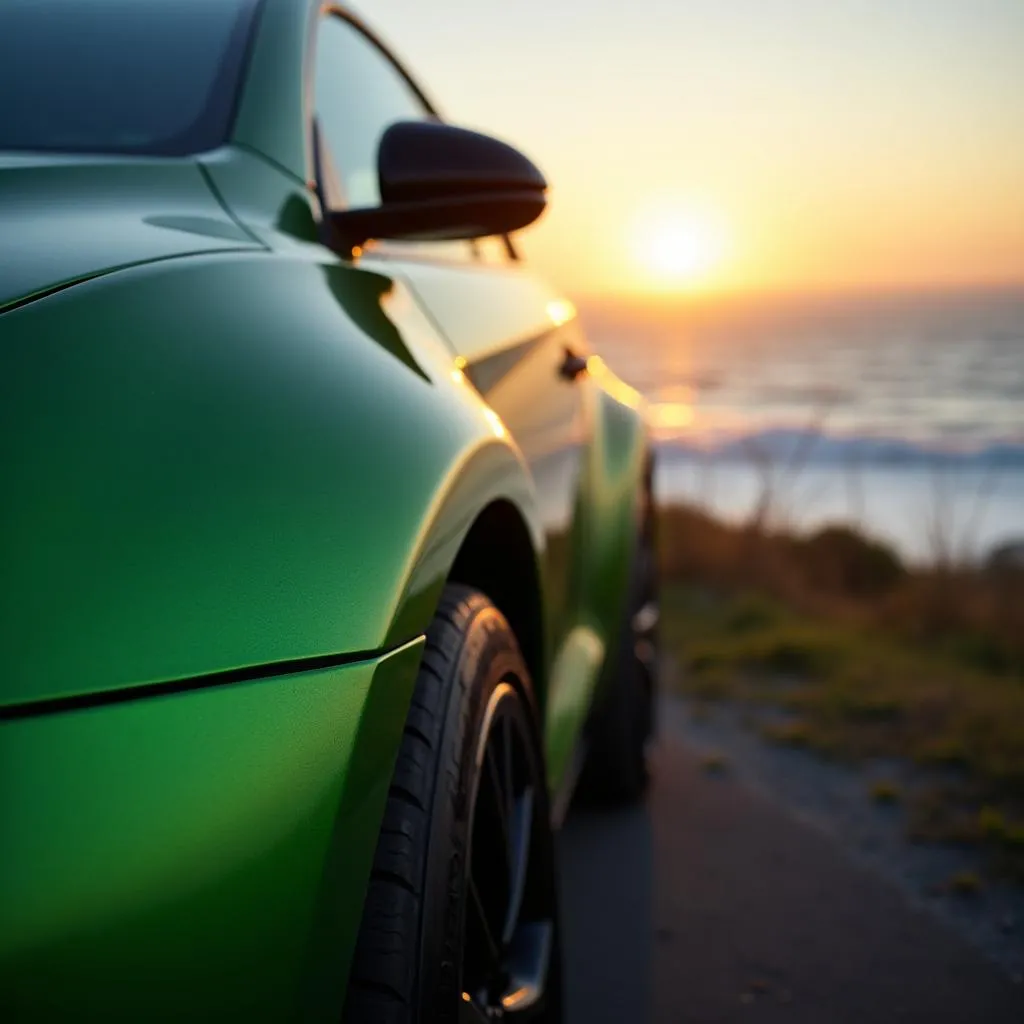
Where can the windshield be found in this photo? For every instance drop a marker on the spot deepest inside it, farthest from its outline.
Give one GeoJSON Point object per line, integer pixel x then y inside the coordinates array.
{"type": "Point", "coordinates": [120, 76]}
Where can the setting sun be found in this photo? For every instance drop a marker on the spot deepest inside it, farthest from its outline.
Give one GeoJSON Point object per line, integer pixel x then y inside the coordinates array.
{"type": "Point", "coordinates": [679, 247]}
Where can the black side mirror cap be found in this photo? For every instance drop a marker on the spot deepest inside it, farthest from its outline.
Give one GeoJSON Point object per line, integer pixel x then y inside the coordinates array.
{"type": "Point", "coordinates": [426, 160]}
{"type": "Point", "coordinates": [439, 182]}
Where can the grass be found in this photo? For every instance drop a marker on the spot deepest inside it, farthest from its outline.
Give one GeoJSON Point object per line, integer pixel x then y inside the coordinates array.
{"type": "Point", "coordinates": [884, 791]}
{"type": "Point", "coordinates": [863, 657]}
{"type": "Point", "coordinates": [965, 883]}
{"type": "Point", "coordinates": [714, 763]}
{"type": "Point", "coordinates": [850, 689]}
{"type": "Point", "coordinates": [968, 616]}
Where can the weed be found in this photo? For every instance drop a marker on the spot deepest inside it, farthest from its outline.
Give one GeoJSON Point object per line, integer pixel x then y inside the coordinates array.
{"type": "Point", "coordinates": [884, 791]}
{"type": "Point", "coordinates": [791, 734]}
{"type": "Point", "coordinates": [965, 883]}
{"type": "Point", "coordinates": [994, 825]}
{"type": "Point", "coordinates": [870, 659]}
{"type": "Point", "coordinates": [714, 763]}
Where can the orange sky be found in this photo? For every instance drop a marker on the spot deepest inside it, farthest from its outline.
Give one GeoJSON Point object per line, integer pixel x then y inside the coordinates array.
{"type": "Point", "coordinates": [746, 144]}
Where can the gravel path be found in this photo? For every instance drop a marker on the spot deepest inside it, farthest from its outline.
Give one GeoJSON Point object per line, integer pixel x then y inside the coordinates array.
{"type": "Point", "coordinates": [770, 890]}
{"type": "Point", "coordinates": [835, 799]}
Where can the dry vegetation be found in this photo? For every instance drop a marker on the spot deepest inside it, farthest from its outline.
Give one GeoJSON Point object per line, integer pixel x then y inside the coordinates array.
{"type": "Point", "coordinates": [972, 615]}
{"type": "Point", "coordinates": [865, 657]}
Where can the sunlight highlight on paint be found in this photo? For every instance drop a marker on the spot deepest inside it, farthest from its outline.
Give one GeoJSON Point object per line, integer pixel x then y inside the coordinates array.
{"type": "Point", "coordinates": [495, 421]}
{"type": "Point", "coordinates": [617, 388]}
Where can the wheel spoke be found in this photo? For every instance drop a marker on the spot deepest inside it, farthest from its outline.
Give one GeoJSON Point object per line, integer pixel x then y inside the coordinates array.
{"type": "Point", "coordinates": [522, 829]}
{"type": "Point", "coordinates": [501, 803]}
{"type": "Point", "coordinates": [528, 962]}
{"type": "Point", "coordinates": [510, 915]}
{"type": "Point", "coordinates": [509, 772]}
{"type": "Point", "coordinates": [485, 925]}
{"type": "Point", "coordinates": [508, 775]}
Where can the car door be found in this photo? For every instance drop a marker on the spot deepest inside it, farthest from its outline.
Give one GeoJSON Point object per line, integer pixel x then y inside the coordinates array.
{"type": "Point", "coordinates": [520, 345]}
{"type": "Point", "coordinates": [515, 338]}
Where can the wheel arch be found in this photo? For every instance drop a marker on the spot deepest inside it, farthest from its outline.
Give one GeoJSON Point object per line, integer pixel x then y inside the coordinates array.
{"type": "Point", "coordinates": [497, 557]}
{"type": "Point", "coordinates": [621, 461]}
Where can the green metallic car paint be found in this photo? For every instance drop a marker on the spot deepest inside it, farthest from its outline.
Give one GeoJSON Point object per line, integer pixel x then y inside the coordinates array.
{"type": "Point", "coordinates": [66, 219]}
{"type": "Point", "coordinates": [206, 484]}
{"type": "Point", "coordinates": [510, 333]}
{"type": "Point", "coordinates": [274, 109]}
{"type": "Point", "coordinates": [276, 208]}
{"type": "Point", "coordinates": [192, 856]}
{"type": "Point", "coordinates": [237, 472]}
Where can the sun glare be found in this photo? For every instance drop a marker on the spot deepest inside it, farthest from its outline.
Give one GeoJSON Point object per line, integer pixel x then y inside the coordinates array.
{"type": "Point", "coordinates": [679, 247]}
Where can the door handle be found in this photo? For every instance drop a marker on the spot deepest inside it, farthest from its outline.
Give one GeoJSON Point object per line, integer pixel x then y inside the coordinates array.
{"type": "Point", "coordinates": [572, 365]}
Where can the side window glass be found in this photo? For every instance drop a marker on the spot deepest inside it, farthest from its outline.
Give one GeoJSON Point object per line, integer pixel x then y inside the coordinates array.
{"type": "Point", "coordinates": [492, 249]}
{"type": "Point", "coordinates": [359, 94]}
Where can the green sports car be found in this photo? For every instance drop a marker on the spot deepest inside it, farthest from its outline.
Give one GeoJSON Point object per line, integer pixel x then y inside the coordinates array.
{"type": "Point", "coordinates": [326, 545]}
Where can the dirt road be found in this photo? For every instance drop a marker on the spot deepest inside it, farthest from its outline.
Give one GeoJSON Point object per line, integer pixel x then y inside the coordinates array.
{"type": "Point", "coordinates": [714, 904]}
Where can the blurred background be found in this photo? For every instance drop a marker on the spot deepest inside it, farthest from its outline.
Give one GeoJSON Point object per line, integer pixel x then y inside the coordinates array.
{"type": "Point", "coordinates": [797, 227]}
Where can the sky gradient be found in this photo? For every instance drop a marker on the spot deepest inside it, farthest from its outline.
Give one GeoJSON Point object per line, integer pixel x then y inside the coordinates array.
{"type": "Point", "coordinates": [795, 144]}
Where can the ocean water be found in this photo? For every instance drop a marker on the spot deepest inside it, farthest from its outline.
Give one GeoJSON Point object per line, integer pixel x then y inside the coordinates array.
{"type": "Point", "coordinates": [901, 412]}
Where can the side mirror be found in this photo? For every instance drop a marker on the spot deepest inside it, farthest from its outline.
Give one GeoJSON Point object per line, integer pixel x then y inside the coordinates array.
{"type": "Point", "coordinates": [438, 182]}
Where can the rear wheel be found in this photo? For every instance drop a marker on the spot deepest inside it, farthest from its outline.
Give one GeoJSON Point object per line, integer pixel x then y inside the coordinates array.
{"type": "Point", "coordinates": [615, 771]}
{"type": "Point", "coordinates": [460, 921]}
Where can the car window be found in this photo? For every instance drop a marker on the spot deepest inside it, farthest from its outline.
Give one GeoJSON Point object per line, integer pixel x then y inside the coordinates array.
{"type": "Point", "coordinates": [122, 76]}
{"type": "Point", "coordinates": [359, 94]}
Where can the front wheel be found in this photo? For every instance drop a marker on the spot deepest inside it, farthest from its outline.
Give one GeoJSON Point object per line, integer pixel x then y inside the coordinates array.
{"type": "Point", "coordinates": [460, 922]}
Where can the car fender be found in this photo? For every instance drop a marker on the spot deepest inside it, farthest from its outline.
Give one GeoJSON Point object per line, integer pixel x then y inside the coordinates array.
{"type": "Point", "coordinates": [616, 469]}
{"type": "Point", "coordinates": [234, 487]}
{"type": "Point", "coordinates": [226, 462]}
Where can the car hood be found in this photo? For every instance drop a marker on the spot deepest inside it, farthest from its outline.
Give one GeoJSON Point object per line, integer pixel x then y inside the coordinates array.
{"type": "Point", "coordinates": [68, 219]}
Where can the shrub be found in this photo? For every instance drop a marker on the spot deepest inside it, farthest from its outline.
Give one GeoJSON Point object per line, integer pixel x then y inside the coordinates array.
{"type": "Point", "coordinates": [840, 560]}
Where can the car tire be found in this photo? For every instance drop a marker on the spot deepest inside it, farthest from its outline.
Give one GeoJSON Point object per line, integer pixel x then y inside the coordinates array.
{"type": "Point", "coordinates": [460, 919]}
{"type": "Point", "coordinates": [615, 771]}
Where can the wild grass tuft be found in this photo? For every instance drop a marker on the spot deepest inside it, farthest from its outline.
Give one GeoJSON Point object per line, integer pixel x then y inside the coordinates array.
{"type": "Point", "coordinates": [867, 657]}
{"type": "Point", "coordinates": [714, 763]}
{"type": "Point", "coordinates": [970, 615]}
{"type": "Point", "coordinates": [885, 791]}
{"type": "Point", "coordinates": [965, 883]}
